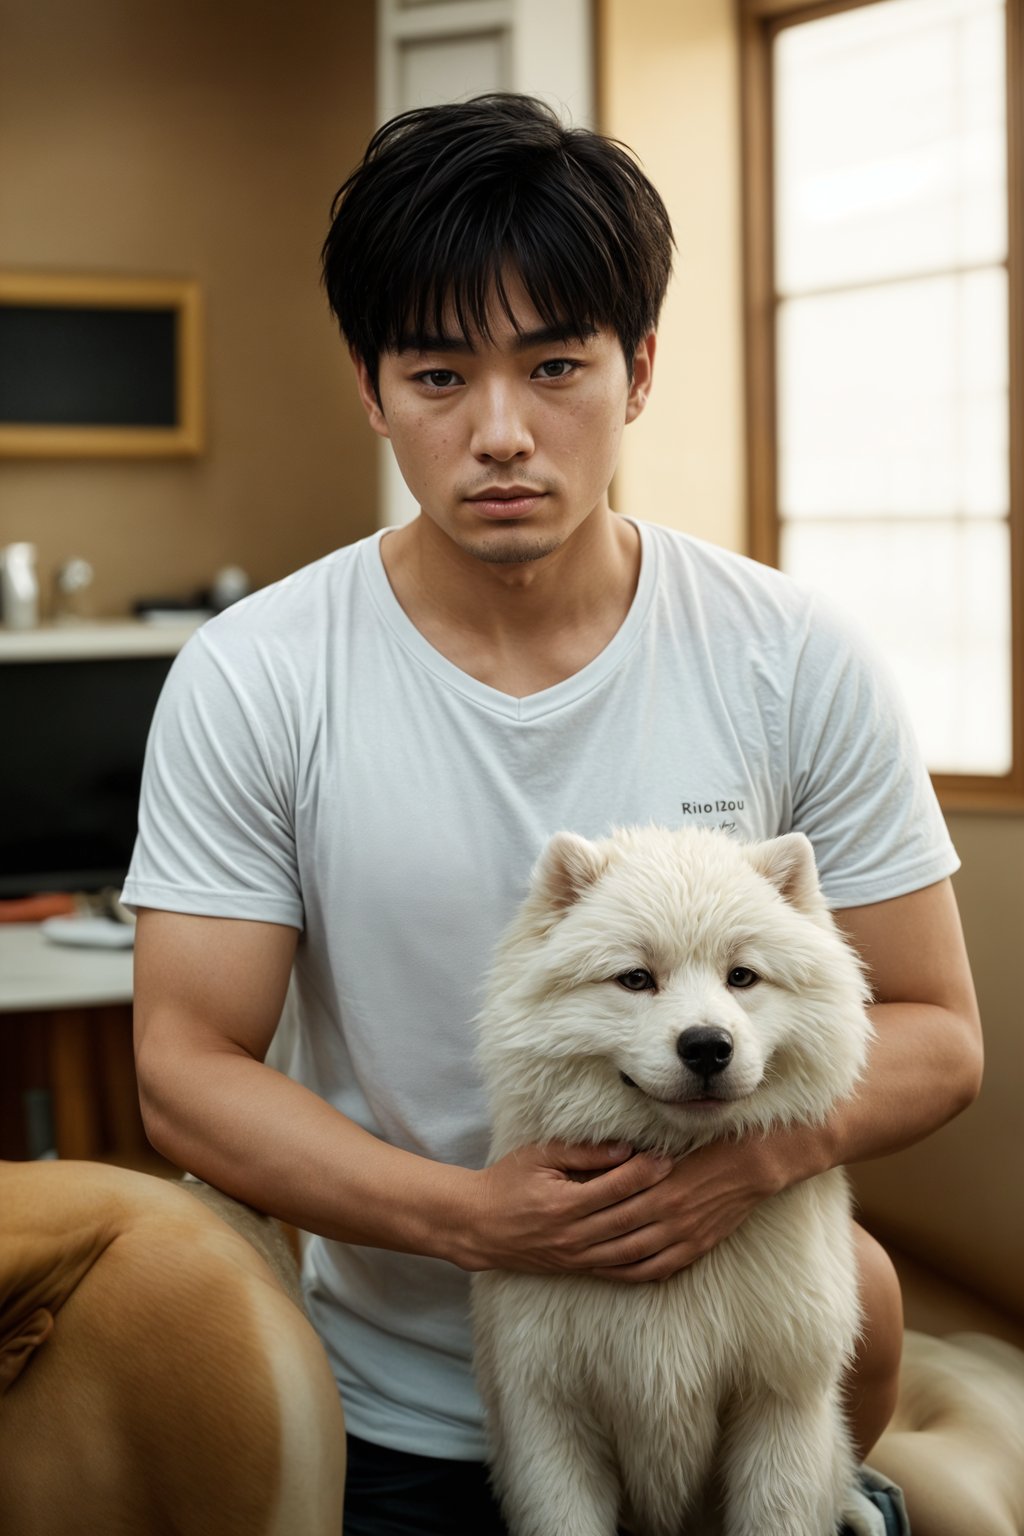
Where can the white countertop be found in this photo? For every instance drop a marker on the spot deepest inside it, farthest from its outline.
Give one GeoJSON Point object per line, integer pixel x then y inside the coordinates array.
{"type": "Point", "coordinates": [35, 973]}
{"type": "Point", "coordinates": [103, 638]}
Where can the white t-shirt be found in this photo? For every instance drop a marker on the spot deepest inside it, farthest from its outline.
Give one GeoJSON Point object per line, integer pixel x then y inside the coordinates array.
{"type": "Point", "coordinates": [315, 762]}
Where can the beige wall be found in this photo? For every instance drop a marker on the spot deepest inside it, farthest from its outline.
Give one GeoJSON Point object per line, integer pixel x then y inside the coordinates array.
{"type": "Point", "coordinates": [199, 138]}
{"type": "Point", "coordinates": [669, 87]}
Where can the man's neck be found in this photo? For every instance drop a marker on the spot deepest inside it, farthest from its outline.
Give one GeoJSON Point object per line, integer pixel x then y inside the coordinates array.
{"type": "Point", "coordinates": [521, 627]}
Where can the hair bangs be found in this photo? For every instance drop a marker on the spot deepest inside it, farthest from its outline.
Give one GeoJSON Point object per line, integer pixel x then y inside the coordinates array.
{"type": "Point", "coordinates": [458, 287]}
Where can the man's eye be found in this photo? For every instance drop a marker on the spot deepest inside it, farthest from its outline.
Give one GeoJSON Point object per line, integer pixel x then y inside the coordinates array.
{"type": "Point", "coordinates": [438, 378]}
{"type": "Point", "coordinates": [557, 368]}
{"type": "Point", "coordinates": [636, 981]}
{"type": "Point", "coordinates": [742, 976]}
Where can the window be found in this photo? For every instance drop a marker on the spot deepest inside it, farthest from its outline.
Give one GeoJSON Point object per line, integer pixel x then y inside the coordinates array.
{"type": "Point", "coordinates": [882, 154]}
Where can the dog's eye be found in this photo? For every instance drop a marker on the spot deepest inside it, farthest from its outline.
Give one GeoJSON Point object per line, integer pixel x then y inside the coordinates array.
{"type": "Point", "coordinates": [636, 981]}
{"type": "Point", "coordinates": [742, 976]}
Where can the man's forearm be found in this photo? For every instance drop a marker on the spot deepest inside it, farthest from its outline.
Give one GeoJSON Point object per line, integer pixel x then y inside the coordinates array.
{"type": "Point", "coordinates": [924, 1068]}
{"type": "Point", "coordinates": [272, 1143]}
{"type": "Point", "coordinates": [276, 1145]}
{"type": "Point", "coordinates": [209, 993]}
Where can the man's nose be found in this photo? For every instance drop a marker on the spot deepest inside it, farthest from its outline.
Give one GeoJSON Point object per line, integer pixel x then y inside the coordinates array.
{"type": "Point", "coordinates": [500, 428]}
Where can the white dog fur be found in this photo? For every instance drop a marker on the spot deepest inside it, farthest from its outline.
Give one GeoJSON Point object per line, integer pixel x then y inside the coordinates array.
{"type": "Point", "coordinates": [709, 1402]}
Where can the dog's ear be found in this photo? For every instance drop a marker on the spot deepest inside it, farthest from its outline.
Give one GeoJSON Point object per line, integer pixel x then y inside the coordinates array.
{"type": "Point", "coordinates": [566, 868]}
{"type": "Point", "coordinates": [788, 862]}
{"type": "Point", "coordinates": [21, 1342]}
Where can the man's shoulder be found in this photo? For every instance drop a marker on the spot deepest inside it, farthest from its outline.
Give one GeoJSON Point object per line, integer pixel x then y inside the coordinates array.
{"type": "Point", "coordinates": [714, 575]}
{"type": "Point", "coordinates": [296, 605]}
{"type": "Point", "coordinates": [277, 642]}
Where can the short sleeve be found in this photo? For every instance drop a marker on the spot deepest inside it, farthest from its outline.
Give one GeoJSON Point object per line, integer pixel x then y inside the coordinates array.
{"type": "Point", "coordinates": [216, 822]}
{"type": "Point", "coordinates": [860, 790]}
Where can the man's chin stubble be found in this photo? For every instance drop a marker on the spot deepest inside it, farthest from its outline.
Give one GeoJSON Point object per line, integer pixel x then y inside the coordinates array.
{"type": "Point", "coordinates": [513, 551]}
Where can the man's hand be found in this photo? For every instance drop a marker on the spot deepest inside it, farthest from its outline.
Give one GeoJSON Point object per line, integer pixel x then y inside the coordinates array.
{"type": "Point", "coordinates": [636, 1218]}
{"type": "Point", "coordinates": [544, 1208]}
{"type": "Point", "coordinates": [706, 1196]}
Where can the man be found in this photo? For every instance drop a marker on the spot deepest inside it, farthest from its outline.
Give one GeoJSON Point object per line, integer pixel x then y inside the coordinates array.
{"type": "Point", "coordinates": [351, 773]}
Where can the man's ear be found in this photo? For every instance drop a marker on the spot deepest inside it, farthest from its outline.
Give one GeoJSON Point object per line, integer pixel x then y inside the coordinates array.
{"type": "Point", "coordinates": [368, 395]}
{"type": "Point", "coordinates": [643, 373]}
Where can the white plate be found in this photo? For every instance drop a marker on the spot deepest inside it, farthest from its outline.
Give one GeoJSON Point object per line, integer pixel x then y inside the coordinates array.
{"type": "Point", "coordinates": [89, 932]}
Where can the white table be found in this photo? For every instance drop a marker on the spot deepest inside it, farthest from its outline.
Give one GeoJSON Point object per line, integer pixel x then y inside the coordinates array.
{"type": "Point", "coordinates": [81, 997]}
{"type": "Point", "coordinates": [36, 973]}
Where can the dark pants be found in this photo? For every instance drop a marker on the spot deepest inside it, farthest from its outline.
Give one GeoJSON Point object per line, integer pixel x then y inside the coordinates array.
{"type": "Point", "coordinates": [394, 1493]}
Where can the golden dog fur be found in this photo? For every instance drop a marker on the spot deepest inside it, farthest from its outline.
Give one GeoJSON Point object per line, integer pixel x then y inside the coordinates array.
{"type": "Point", "coordinates": [157, 1374]}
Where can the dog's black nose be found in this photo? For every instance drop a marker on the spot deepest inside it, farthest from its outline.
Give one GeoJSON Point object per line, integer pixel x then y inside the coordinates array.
{"type": "Point", "coordinates": [705, 1050]}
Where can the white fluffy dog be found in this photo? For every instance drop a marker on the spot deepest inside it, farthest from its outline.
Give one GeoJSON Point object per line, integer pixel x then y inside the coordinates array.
{"type": "Point", "coordinates": [668, 988]}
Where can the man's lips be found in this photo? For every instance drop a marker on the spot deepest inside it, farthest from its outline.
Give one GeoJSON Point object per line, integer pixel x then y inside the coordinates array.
{"type": "Point", "coordinates": [513, 501]}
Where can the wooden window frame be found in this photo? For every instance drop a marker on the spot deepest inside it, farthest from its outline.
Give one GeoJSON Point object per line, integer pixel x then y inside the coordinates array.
{"type": "Point", "coordinates": [759, 23]}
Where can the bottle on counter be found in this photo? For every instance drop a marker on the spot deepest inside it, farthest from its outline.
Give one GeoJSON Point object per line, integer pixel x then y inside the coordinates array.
{"type": "Point", "coordinates": [19, 587]}
{"type": "Point", "coordinates": [71, 583]}
{"type": "Point", "coordinates": [229, 585]}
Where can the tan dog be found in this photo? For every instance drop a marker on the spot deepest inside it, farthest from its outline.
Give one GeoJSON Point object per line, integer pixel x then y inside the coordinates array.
{"type": "Point", "coordinates": [157, 1373]}
{"type": "Point", "coordinates": [956, 1441]}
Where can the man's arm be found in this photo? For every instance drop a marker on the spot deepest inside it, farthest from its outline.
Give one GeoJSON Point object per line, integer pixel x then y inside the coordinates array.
{"type": "Point", "coordinates": [926, 1062]}
{"type": "Point", "coordinates": [924, 1067]}
{"type": "Point", "coordinates": [208, 996]}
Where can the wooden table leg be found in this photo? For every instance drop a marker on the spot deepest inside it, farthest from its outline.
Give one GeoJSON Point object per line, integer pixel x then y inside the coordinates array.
{"type": "Point", "coordinates": [75, 1109]}
{"type": "Point", "coordinates": [121, 1093]}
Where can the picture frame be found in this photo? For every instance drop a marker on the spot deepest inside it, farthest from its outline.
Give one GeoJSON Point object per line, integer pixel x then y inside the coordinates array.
{"type": "Point", "coordinates": [99, 366]}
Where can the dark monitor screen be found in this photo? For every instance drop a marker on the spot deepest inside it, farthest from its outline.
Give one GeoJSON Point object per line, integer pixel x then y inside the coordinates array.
{"type": "Point", "coordinates": [78, 366]}
{"type": "Point", "coordinates": [72, 742]}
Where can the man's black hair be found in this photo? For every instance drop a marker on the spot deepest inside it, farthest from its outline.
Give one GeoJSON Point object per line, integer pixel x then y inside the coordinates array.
{"type": "Point", "coordinates": [449, 202]}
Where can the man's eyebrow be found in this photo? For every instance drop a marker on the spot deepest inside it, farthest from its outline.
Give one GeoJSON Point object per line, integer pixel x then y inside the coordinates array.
{"type": "Point", "coordinates": [542, 336]}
